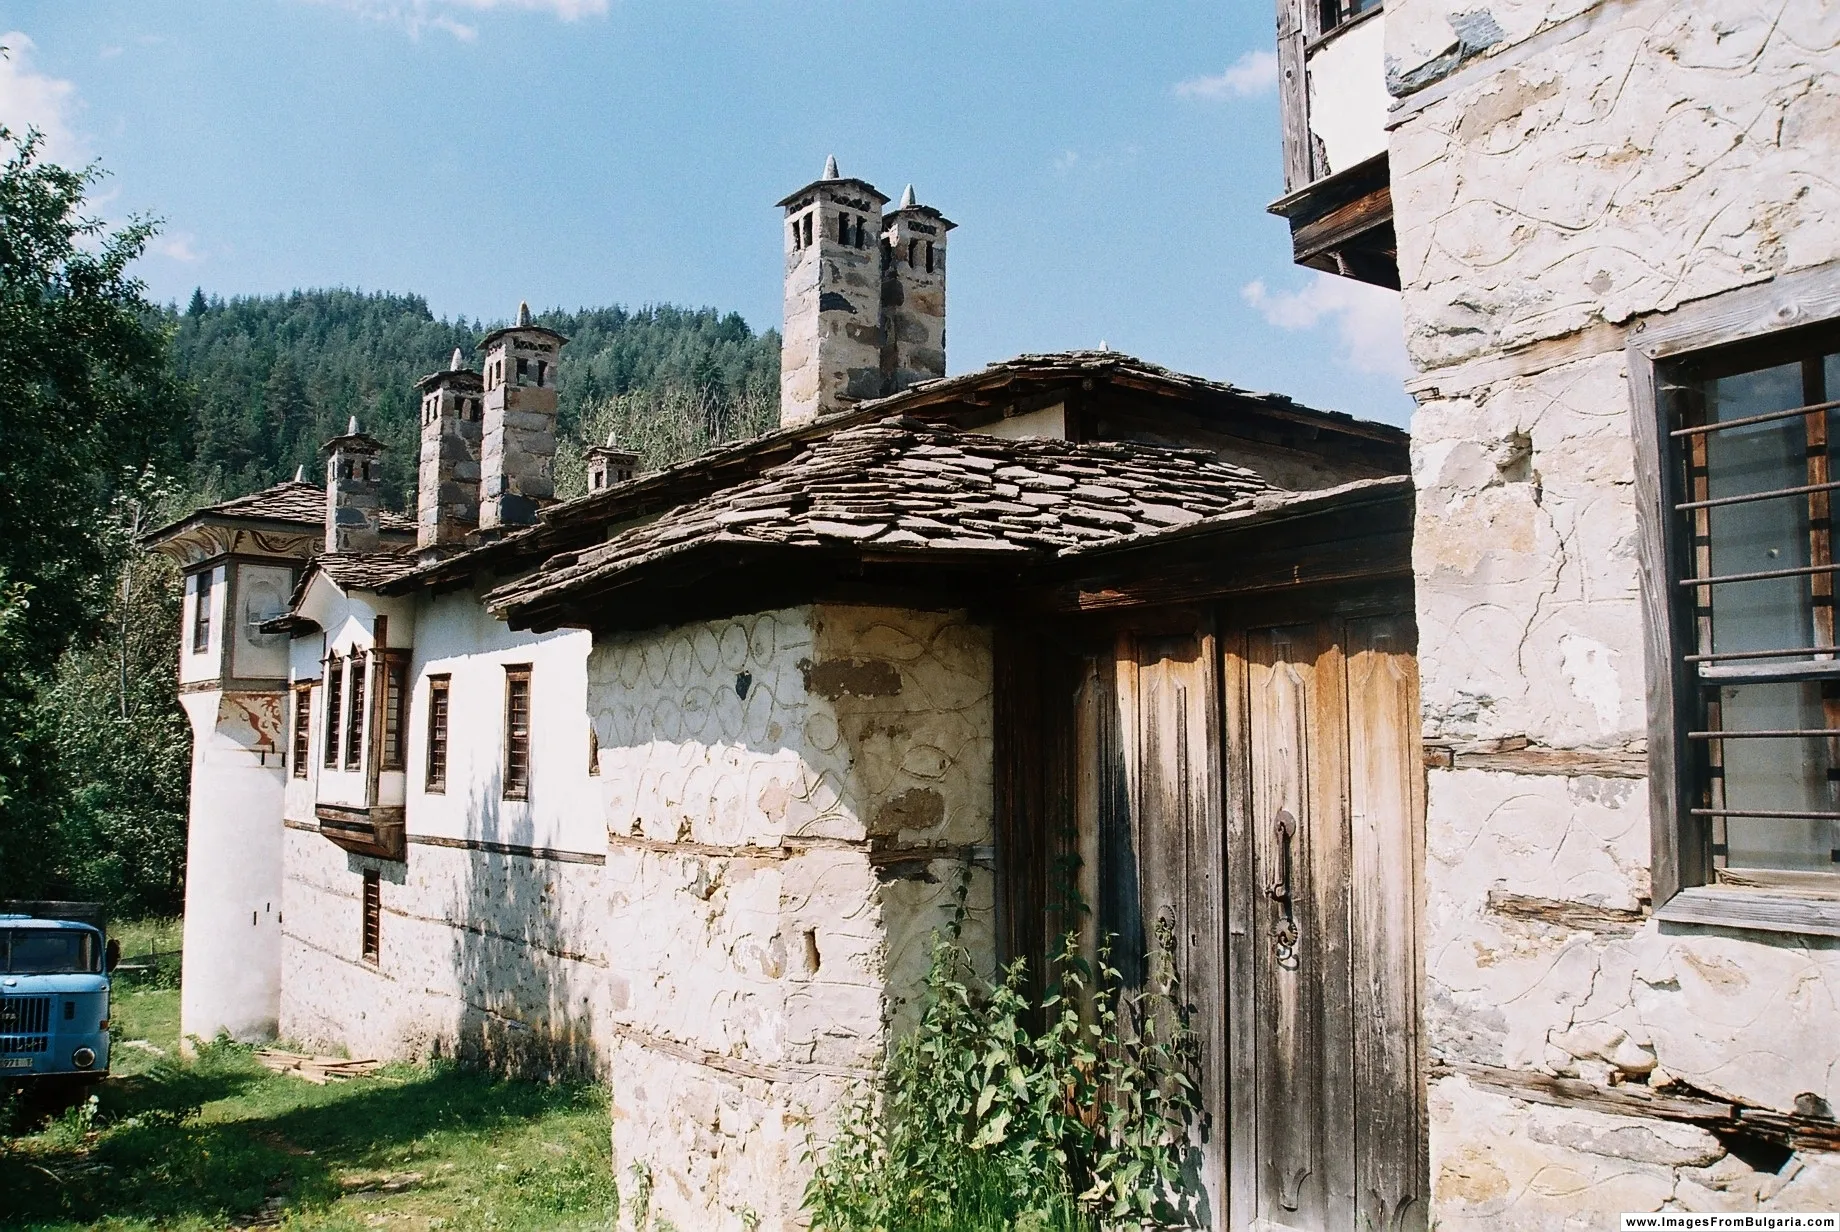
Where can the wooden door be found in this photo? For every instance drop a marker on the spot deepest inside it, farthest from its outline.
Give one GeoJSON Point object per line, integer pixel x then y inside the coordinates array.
{"type": "Point", "coordinates": [1323, 840]}
{"type": "Point", "coordinates": [1166, 843]}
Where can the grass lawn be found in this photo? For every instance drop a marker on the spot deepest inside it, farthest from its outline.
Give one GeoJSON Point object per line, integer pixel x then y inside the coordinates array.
{"type": "Point", "coordinates": [220, 1142]}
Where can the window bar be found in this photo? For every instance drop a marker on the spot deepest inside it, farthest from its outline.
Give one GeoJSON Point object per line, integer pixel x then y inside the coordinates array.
{"type": "Point", "coordinates": [1780, 814]}
{"type": "Point", "coordinates": [1699, 481]}
{"type": "Point", "coordinates": [1747, 497]}
{"type": "Point", "coordinates": [1761, 575]}
{"type": "Point", "coordinates": [1767, 733]}
{"type": "Point", "coordinates": [1787, 652]}
{"type": "Point", "coordinates": [1699, 430]}
{"type": "Point", "coordinates": [1820, 545]}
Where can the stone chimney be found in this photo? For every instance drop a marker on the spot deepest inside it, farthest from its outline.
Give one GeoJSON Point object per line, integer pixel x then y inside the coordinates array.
{"type": "Point", "coordinates": [354, 490]}
{"type": "Point", "coordinates": [831, 352]}
{"type": "Point", "coordinates": [609, 464]}
{"type": "Point", "coordinates": [517, 460]}
{"type": "Point", "coordinates": [913, 294]}
{"type": "Point", "coordinates": [447, 477]}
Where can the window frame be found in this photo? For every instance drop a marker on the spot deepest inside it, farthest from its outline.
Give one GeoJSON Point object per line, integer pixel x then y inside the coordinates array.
{"type": "Point", "coordinates": [1684, 884]}
{"type": "Point", "coordinates": [370, 917]}
{"type": "Point", "coordinates": [300, 744]}
{"type": "Point", "coordinates": [510, 786]}
{"type": "Point", "coordinates": [357, 693]}
{"type": "Point", "coordinates": [204, 589]}
{"type": "Point", "coordinates": [333, 670]}
{"type": "Point", "coordinates": [434, 776]}
{"type": "Point", "coordinates": [393, 703]}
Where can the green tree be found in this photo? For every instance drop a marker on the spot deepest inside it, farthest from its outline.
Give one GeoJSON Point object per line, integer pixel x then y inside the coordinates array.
{"type": "Point", "coordinates": [122, 745]}
{"type": "Point", "coordinates": [85, 397]}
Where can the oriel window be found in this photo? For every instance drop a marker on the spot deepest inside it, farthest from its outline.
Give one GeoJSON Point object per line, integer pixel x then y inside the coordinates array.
{"type": "Point", "coordinates": [335, 692]}
{"type": "Point", "coordinates": [517, 732]}
{"type": "Point", "coordinates": [201, 613]}
{"type": "Point", "coordinates": [354, 725]}
{"type": "Point", "coordinates": [1754, 432]}
{"type": "Point", "coordinates": [395, 711]}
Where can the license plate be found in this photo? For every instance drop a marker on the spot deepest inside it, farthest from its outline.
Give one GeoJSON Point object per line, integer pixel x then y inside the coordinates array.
{"type": "Point", "coordinates": [15, 1062]}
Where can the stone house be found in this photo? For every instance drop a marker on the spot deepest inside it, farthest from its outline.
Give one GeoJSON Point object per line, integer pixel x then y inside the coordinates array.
{"type": "Point", "coordinates": [672, 782]}
{"type": "Point", "coordinates": [1613, 225]}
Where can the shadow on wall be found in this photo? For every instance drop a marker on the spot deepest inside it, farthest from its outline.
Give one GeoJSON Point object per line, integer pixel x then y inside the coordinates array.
{"type": "Point", "coordinates": [525, 956]}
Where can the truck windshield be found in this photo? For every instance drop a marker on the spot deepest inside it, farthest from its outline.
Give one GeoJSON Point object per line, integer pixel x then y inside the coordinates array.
{"type": "Point", "coordinates": [48, 951]}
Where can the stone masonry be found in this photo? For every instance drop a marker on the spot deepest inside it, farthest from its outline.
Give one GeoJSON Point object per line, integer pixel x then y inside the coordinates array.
{"type": "Point", "coordinates": [354, 492]}
{"type": "Point", "coordinates": [1560, 169]}
{"type": "Point", "coordinates": [518, 445]}
{"type": "Point", "coordinates": [447, 487]}
{"type": "Point", "coordinates": [865, 297]}
{"type": "Point", "coordinates": [792, 798]}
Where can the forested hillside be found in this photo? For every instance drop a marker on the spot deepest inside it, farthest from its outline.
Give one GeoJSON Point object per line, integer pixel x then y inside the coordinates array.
{"type": "Point", "coordinates": [121, 416]}
{"type": "Point", "coordinates": [269, 378]}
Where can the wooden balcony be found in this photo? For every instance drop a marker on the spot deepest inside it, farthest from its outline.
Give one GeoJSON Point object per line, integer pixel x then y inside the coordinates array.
{"type": "Point", "coordinates": [374, 831]}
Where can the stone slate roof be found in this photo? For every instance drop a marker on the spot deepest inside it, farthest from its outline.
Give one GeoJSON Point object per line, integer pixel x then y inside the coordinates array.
{"type": "Point", "coordinates": [289, 501]}
{"type": "Point", "coordinates": [904, 487]}
{"type": "Point", "coordinates": [1120, 368]}
{"type": "Point", "coordinates": [365, 570]}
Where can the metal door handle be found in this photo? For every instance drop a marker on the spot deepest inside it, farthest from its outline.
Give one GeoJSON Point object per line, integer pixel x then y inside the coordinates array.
{"type": "Point", "coordinates": [1285, 828]}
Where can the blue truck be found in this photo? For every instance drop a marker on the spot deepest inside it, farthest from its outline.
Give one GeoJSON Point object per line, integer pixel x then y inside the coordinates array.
{"type": "Point", "coordinates": [54, 995]}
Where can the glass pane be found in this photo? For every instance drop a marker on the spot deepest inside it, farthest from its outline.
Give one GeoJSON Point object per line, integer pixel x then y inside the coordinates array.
{"type": "Point", "coordinates": [1789, 774]}
{"type": "Point", "coordinates": [1760, 535]}
{"type": "Point", "coordinates": [46, 951]}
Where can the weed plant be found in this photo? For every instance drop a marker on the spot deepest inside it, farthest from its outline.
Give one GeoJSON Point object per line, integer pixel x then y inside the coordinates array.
{"type": "Point", "coordinates": [979, 1122]}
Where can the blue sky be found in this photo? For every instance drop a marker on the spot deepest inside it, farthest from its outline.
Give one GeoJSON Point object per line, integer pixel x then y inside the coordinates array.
{"type": "Point", "coordinates": [1108, 162]}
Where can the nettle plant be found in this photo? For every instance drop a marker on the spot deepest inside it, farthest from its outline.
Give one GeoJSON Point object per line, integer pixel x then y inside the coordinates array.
{"type": "Point", "coordinates": [978, 1122]}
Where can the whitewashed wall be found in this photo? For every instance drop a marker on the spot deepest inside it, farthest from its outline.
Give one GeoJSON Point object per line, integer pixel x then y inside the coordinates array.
{"type": "Point", "coordinates": [1593, 163]}
{"type": "Point", "coordinates": [233, 873]}
{"type": "Point", "coordinates": [491, 938]}
{"type": "Point", "coordinates": [791, 798]}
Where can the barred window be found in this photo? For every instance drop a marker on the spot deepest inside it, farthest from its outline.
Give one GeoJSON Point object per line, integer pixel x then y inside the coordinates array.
{"type": "Point", "coordinates": [354, 725]}
{"type": "Point", "coordinates": [371, 927]}
{"type": "Point", "coordinates": [303, 711]}
{"type": "Point", "coordinates": [1754, 432]}
{"type": "Point", "coordinates": [437, 734]}
{"type": "Point", "coordinates": [517, 732]}
{"type": "Point", "coordinates": [335, 690]}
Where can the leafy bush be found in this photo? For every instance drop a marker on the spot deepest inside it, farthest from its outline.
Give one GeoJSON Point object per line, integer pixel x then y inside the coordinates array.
{"type": "Point", "coordinates": [978, 1122]}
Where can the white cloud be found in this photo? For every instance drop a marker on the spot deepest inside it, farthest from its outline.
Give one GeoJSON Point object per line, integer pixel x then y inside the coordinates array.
{"type": "Point", "coordinates": [178, 247]}
{"type": "Point", "coordinates": [1253, 73]}
{"type": "Point", "coordinates": [1367, 319]}
{"type": "Point", "coordinates": [31, 99]}
{"type": "Point", "coordinates": [415, 16]}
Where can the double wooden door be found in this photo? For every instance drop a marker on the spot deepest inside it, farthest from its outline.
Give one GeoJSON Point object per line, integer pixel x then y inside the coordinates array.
{"type": "Point", "coordinates": [1265, 800]}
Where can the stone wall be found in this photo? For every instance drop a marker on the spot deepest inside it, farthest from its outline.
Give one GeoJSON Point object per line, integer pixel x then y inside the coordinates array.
{"type": "Point", "coordinates": [792, 798]}
{"type": "Point", "coordinates": [1558, 171]}
{"type": "Point", "coordinates": [492, 958]}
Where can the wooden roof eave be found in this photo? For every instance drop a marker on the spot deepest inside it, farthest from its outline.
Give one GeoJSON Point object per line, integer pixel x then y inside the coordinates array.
{"type": "Point", "coordinates": [730, 575]}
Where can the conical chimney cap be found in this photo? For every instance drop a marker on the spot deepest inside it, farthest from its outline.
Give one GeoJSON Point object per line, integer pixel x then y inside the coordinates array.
{"type": "Point", "coordinates": [612, 439]}
{"type": "Point", "coordinates": [351, 429]}
{"type": "Point", "coordinates": [907, 197]}
{"type": "Point", "coordinates": [300, 473]}
{"type": "Point", "coordinates": [523, 317]}
{"type": "Point", "coordinates": [830, 168]}
{"type": "Point", "coordinates": [456, 363]}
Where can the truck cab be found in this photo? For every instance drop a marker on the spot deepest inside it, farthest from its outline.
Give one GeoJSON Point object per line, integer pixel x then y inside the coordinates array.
{"type": "Point", "coordinates": [54, 1000]}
